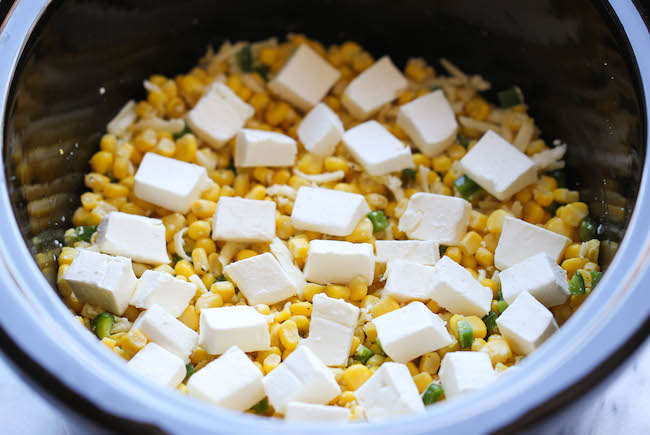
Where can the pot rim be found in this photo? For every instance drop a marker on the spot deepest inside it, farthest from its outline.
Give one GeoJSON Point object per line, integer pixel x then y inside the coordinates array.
{"type": "Point", "coordinates": [41, 337]}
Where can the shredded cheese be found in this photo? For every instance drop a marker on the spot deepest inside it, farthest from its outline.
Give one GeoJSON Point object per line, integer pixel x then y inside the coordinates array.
{"type": "Point", "coordinates": [228, 252]}
{"type": "Point", "coordinates": [550, 159]}
{"type": "Point", "coordinates": [171, 126]}
{"type": "Point", "coordinates": [284, 257]}
{"type": "Point", "coordinates": [123, 120]}
{"type": "Point", "coordinates": [327, 177]}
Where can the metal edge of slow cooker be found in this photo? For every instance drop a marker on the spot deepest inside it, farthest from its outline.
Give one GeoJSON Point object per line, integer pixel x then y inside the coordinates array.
{"type": "Point", "coordinates": [38, 340]}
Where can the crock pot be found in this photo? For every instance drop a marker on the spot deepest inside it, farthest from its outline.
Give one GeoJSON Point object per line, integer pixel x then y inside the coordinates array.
{"type": "Point", "coordinates": [67, 66]}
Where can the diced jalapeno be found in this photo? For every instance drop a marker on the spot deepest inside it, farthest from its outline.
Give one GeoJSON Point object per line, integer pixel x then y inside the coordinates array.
{"type": "Point", "coordinates": [468, 188]}
{"type": "Point", "coordinates": [595, 278]}
{"type": "Point", "coordinates": [83, 234]}
{"type": "Point", "coordinates": [577, 284]}
{"type": "Point", "coordinates": [510, 97]}
{"type": "Point", "coordinates": [363, 354]}
{"type": "Point", "coordinates": [551, 209]}
{"type": "Point", "coordinates": [490, 323]}
{"type": "Point", "coordinates": [261, 406]}
{"type": "Point", "coordinates": [381, 349]}
{"type": "Point", "coordinates": [462, 139]}
{"type": "Point", "coordinates": [189, 369]}
{"type": "Point", "coordinates": [465, 334]}
{"type": "Point", "coordinates": [409, 173]}
{"type": "Point", "coordinates": [102, 325]}
{"type": "Point", "coordinates": [245, 58]}
{"type": "Point", "coordinates": [587, 229]}
{"type": "Point", "coordinates": [379, 220]}
{"type": "Point", "coordinates": [186, 129]}
{"type": "Point", "coordinates": [432, 394]}
{"type": "Point", "coordinates": [501, 306]}
{"type": "Point", "coordinates": [222, 277]}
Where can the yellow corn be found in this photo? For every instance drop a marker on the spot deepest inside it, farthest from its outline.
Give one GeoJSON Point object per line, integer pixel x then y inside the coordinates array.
{"type": "Point", "coordinates": [385, 305]}
{"type": "Point", "coordinates": [355, 376]}
{"type": "Point", "coordinates": [271, 362]}
{"type": "Point", "coordinates": [225, 289]}
{"type": "Point", "coordinates": [289, 334]}
{"type": "Point", "coordinates": [422, 381]}
{"type": "Point", "coordinates": [484, 257]}
{"type": "Point", "coordinates": [208, 300]}
{"type": "Point", "coordinates": [337, 291]}
{"type": "Point", "coordinates": [470, 243]}
{"type": "Point", "coordinates": [573, 213]}
{"type": "Point", "coordinates": [477, 221]}
{"type": "Point", "coordinates": [495, 221]}
{"type": "Point", "coordinates": [312, 289]}
{"type": "Point", "coordinates": [301, 308]}
{"type": "Point", "coordinates": [454, 253]}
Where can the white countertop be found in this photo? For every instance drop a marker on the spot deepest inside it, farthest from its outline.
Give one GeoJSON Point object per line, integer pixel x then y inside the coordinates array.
{"type": "Point", "coordinates": [623, 407]}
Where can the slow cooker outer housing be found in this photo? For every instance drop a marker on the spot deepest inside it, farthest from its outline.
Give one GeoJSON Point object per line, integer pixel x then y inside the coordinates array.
{"type": "Point", "coordinates": [67, 69]}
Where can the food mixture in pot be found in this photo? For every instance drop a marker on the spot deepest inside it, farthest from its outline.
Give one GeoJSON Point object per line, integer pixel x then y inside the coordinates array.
{"type": "Point", "coordinates": [308, 232]}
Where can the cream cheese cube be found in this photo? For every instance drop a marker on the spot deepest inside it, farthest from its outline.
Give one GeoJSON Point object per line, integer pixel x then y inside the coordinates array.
{"type": "Point", "coordinates": [321, 130]}
{"type": "Point", "coordinates": [498, 167]}
{"type": "Point", "coordinates": [301, 377]}
{"type": "Point", "coordinates": [442, 219]}
{"type": "Point", "coordinates": [430, 122]}
{"type": "Point", "coordinates": [239, 325]}
{"type": "Point", "coordinates": [304, 79]}
{"type": "Point", "coordinates": [336, 262]}
{"type": "Point", "coordinates": [219, 115]}
{"type": "Point", "coordinates": [376, 86]}
{"type": "Point", "coordinates": [328, 211]}
{"type": "Point", "coordinates": [297, 411]}
{"type": "Point", "coordinates": [159, 366]}
{"type": "Point", "coordinates": [170, 183]}
{"type": "Point", "coordinates": [520, 240]}
{"type": "Point", "coordinates": [160, 327]}
{"type": "Point", "coordinates": [376, 149]}
{"type": "Point", "coordinates": [139, 238]}
{"type": "Point", "coordinates": [264, 148]}
{"type": "Point", "coordinates": [160, 288]}
{"type": "Point", "coordinates": [102, 280]}
{"type": "Point", "coordinates": [261, 279]}
{"type": "Point", "coordinates": [231, 381]}
{"type": "Point", "coordinates": [422, 252]}
{"type": "Point", "coordinates": [331, 329]}
{"type": "Point", "coordinates": [389, 392]}
{"type": "Point", "coordinates": [411, 331]}
{"type": "Point", "coordinates": [526, 324]}
{"type": "Point", "coordinates": [540, 276]}
{"type": "Point", "coordinates": [408, 281]}
{"type": "Point", "coordinates": [244, 220]}
{"type": "Point", "coordinates": [454, 288]}
{"type": "Point", "coordinates": [463, 372]}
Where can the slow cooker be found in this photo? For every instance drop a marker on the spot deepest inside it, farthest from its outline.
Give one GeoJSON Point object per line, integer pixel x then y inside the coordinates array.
{"type": "Point", "coordinates": [67, 66]}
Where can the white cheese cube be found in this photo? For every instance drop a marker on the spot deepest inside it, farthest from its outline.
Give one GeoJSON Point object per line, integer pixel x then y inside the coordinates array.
{"type": "Point", "coordinates": [321, 130]}
{"type": "Point", "coordinates": [336, 262]}
{"type": "Point", "coordinates": [284, 257]}
{"type": "Point", "coordinates": [301, 377]}
{"type": "Point", "coordinates": [139, 238]}
{"type": "Point", "coordinates": [219, 115]}
{"type": "Point", "coordinates": [331, 329]}
{"type": "Point", "coordinates": [376, 86]}
{"type": "Point", "coordinates": [454, 288]}
{"type": "Point", "coordinates": [244, 220]}
{"type": "Point", "coordinates": [408, 281]}
{"type": "Point", "coordinates": [261, 279]}
{"type": "Point", "coordinates": [416, 251]}
{"type": "Point", "coordinates": [231, 381]}
{"type": "Point", "coordinates": [463, 372]}
{"type": "Point", "coordinates": [498, 167]}
{"type": "Point", "coordinates": [297, 411]}
{"type": "Point", "coordinates": [540, 276]}
{"type": "Point", "coordinates": [411, 331]}
{"type": "Point", "coordinates": [328, 211]}
{"type": "Point", "coordinates": [159, 366]}
{"type": "Point", "coordinates": [239, 325]}
{"type": "Point", "coordinates": [520, 240]}
{"type": "Point", "coordinates": [160, 327]}
{"type": "Point", "coordinates": [304, 79]}
{"type": "Point", "coordinates": [160, 288]}
{"type": "Point", "coordinates": [440, 218]}
{"type": "Point", "coordinates": [430, 122]}
{"type": "Point", "coordinates": [389, 392]}
{"type": "Point", "coordinates": [102, 280]}
{"type": "Point", "coordinates": [170, 183]}
{"type": "Point", "coordinates": [264, 148]}
{"type": "Point", "coordinates": [376, 149]}
{"type": "Point", "coordinates": [526, 324]}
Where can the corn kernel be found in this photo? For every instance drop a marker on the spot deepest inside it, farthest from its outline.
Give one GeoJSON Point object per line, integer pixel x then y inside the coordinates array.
{"type": "Point", "coordinates": [225, 289]}
{"type": "Point", "coordinates": [495, 221]}
{"type": "Point", "coordinates": [337, 291]}
{"type": "Point", "coordinates": [208, 300]}
{"type": "Point", "coordinates": [199, 230]}
{"type": "Point", "coordinates": [133, 341]}
{"type": "Point", "coordinates": [477, 221]}
{"type": "Point", "coordinates": [470, 243]}
{"type": "Point", "coordinates": [271, 362]}
{"type": "Point", "coordinates": [358, 289]}
{"type": "Point", "coordinates": [454, 253]}
{"type": "Point", "coordinates": [558, 226]}
{"type": "Point", "coordinates": [355, 376]}
{"type": "Point", "coordinates": [184, 268]}
{"type": "Point", "coordinates": [429, 363]}
{"type": "Point", "coordinates": [385, 305]}
{"type": "Point", "coordinates": [565, 196]}
{"type": "Point", "coordinates": [289, 336]}
{"type": "Point", "coordinates": [441, 163]}
{"type": "Point", "coordinates": [301, 308]}
{"type": "Point", "coordinates": [102, 162]}
{"type": "Point", "coordinates": [533, 213]}
{"type": "Point", "coordinates": [573, 213]}
{"type": "Point", "coordinates": [312, 289]}
{"type": "Point", "coordinates": [497, 349]}
{"type": "Point", "coordinates": [477, 108]}
{"type": "Point", "coordinates": [422, 381]}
